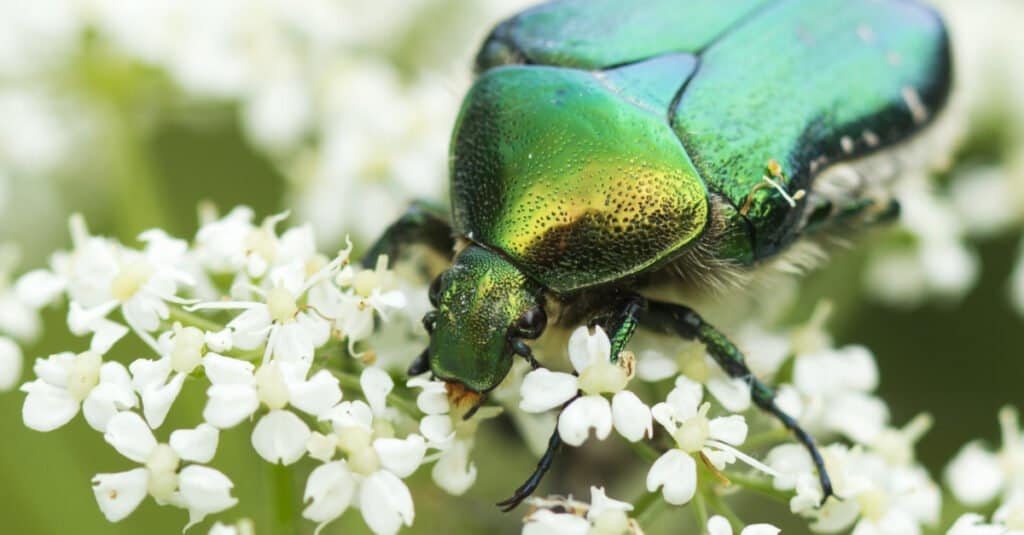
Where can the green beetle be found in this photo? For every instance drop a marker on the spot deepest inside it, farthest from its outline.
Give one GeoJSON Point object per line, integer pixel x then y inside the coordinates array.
{"type": "Point", "coordinates": [608, 146]}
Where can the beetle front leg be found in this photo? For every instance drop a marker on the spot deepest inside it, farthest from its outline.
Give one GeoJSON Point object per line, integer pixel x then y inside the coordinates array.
{"type": "Point", "coordinates": [421, 224]}
{"type": "Point", "coordinates": [621, 324]}
{"type": "Point", "coordinates": [683, 321]}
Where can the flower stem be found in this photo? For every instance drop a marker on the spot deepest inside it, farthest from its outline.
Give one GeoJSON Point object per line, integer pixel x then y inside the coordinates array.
{"type": "Point", "coordinates": [644, 451]}
{"type": "Point", "coordinates": [351, 381]}
{"type": "Point", "coordinates": [194, 320]}
{"type": "Point", "coordinates": [646, 506]}
{"type": "Point", "coordinates": [718, 504]}
{"type": "Point", "coordinates": [760, 485]}
{"type": "Point", "coordinates": [280, 480]}
{"type": "Point", "coordinates": [700, 510]}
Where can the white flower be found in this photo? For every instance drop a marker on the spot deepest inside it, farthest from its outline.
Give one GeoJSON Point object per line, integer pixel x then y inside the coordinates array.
{"type": "Point", "coordinates": [835, 387]}
{"type": "Point", "coordinates": [446, 430]}
{"type": "Point", "coordinates": [368, 293]}
{"type": "Point", "coordinates": [181, 353]}
{"type": "Point", "coordinates": [238, 389]}
{"type": "Point", "coordinates": [369, 478]}
{"type": "Point", "coordinates": [199, 489]}
{"type": "Point", "coordinates": [590, 354]}
{"type": "Point", "coordinates": [68, 382]}
{"type": "Point", "coordinates": [718, 525]}
{"type": "Point", "coordinates": [976, 476]}
{"type": "Point", "coordinates": [290, 332]}
{"type": "Point", "coordinates": [685, 418]}
{"type": "Point", "coordinates": [603, 516]}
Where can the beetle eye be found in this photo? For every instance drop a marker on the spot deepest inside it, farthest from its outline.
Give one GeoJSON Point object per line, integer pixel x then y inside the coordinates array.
{"type": "Point", "coordinates": [531, 324]}
{"type": "Point", "coordinates": [435, 291]}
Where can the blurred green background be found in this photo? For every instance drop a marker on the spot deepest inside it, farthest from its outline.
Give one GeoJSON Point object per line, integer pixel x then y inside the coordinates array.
{"type": "Point", "coordinates": [151, 150]}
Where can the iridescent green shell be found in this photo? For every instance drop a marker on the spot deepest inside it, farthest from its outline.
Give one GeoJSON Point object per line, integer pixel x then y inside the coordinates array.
{"type": "Point", "coordinates": [595, 159]}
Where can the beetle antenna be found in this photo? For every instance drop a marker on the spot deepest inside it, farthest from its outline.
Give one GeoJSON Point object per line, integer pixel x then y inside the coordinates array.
{"type": "Point", "coordinates": [520, 348]}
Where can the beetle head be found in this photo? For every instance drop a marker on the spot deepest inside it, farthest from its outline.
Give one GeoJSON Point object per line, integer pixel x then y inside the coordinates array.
{"type": "Point", "coordinates": [485, 308]}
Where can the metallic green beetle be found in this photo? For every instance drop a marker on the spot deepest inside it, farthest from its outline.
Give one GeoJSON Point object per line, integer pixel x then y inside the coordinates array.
{"type": "Point", "coordinates": [608, 145]}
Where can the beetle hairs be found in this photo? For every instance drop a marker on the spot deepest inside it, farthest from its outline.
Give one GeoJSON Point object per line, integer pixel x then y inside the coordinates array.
{"type": "Point", "coordinates": [520, 348]}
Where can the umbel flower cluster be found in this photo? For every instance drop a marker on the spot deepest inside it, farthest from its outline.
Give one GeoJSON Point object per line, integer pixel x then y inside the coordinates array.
{"type": "Point", "coordinates": [288, 345]}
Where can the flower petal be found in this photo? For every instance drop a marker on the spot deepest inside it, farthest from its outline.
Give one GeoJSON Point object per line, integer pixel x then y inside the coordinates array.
{"type": "Point", "coordinates": [454, 472]}
{"type": "Point", "coordinates": [329, 491]}
{"type": "Point", "coordinates": [317, 395]}
{"type": "Point", "coordinates": [631, 417]}
{"type": "Point", "coordinates": [46, 407]}
{"type": "Point", "coordinates": [229, 404]}
{"type": "Point", "coordinates": [280, 437]}
{"type": "Point", "coordinates": [544, 389]}
{"type": "Point", "coordinates": [113, 394]}
{"type": "Point", "coordinates": [196, 445]}
{"type": "Point", "coordinates": [546, 522]}
{"type": "Point", "coordinates": [586, 348]}
{"type": "Point", "coordinates": [401, 456]}
{"type": "Point", "coordinates": [377, 384]}
{"type": "Point", "coordinates": [385, 502]}
{"type": "Point", "coordinates": [157, 399]}
{"type": "Point", "coordinates": [204, 491]}
{"type": "Point", "coordinates": [676, 473]}
{"type": "Point", "coordinates": [130, 436]}
{"type": "Point", "coordinates": [226, 370]}
{"type": "Point", "coordinates": [437, 428]}
{"type": "Point", "coordinates": [733, 394]}
{"type": "Point", "coordinates": [975, 475]}
{"type": "Point", "coordinates": [730, 429]}
{"type": "Point", "coordinates": [121, 493]}
{"type": "Point", "coordinates": [580, 416]}
{"type": "Point", "coordinates": [718, 525]}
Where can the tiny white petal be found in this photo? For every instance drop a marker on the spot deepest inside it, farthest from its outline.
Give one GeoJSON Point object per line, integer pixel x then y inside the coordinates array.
{"type": "Point", "coordinates": [437, 428]}
{"type": "Point", "coordinates": [631, 417]}
{"type": "Point", "coordinates": [385, 502]}
{"type": "Point", "coordinates": [157, 399]}
{"type": "Point", "coordinates": [106, 333]}
{"type": "Point", "coordinates": [130, 436]}
{"type": "Point", "coordinates": [38, 288]}
{"type": "Point", "coordinates": [401, 456]}
{"type": "Point", "coordinates": [280, 437]}
{"type": "Point", "coordinates": [975, 475]}
{"type": "Point", "coordinates": [730, 429]}
{"type": "Point", "coordinates": [197, 445]}
{"type": "Point", "coordinates": [543, 389]}
{"type": "Point", "coordinates": [454, 472]}
{"type": "Point", "coordinates": [761, 529]}
{"type": "Point", "coordinates": [113, 394]}
{"type": "Point", "coordinates": [376, 384]}
{"type": "Point", "coordinates": [546, 522]}
{"type": "Point", "coordinates": [685, 398]}
{"type": "Point", "coordinates": [204, 491]}
{"type": "Point", "coordinates": [586, 348]}
{"type": "Point", "coordinates": [226, 370]}
{"type": "Point", "coordinates": [322, 447]}
{"type": "Point", "coordinates": [600, 502]}
{"type": "Point", "coordinates": [587, 412]}
{"type": "Point", "coordinates": [733, 394]}
{"type": "Point", "coordinates": [315, 396]}
{"type": "Point", "coordinates": [46, 407]}
{"type": "Point", "coordinates": [329, 491]}
{"type": "Point", "coordinates": [229, 404]}
{"type": "Point", "coordinates": [10, 363]}
{"type": "Point", "coordinates": [676, 473]}
{"type": "Point", "coordinates": [718, 525]}
{"type": "Point", "coordinates": [119, 494]}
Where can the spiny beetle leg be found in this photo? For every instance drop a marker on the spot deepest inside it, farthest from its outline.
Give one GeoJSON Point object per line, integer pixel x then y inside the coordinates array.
{"type": "Point", "coordinates": [420, 224]}
{"type": "Point", "coordinates": [675, 319]}
{"type": "Point", "coordinates": [531, 484]}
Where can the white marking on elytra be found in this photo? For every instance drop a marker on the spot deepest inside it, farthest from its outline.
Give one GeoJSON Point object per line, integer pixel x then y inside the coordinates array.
{"type": "Point", "coordinates": [866, 33]}
{"type": "Point", "coordinates": [847, 144]}
{"type": "Point", "coordinates": [917, 108]}
{"type": "Point", "coordinates": [871, 138]}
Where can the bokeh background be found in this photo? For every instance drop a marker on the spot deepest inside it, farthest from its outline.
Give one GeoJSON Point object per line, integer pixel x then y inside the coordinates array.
{"type": "Point", "coordinates": [139, 114]}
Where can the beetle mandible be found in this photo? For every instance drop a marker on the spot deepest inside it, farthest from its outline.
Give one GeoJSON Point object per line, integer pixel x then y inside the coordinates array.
{"type": "Point", "coordinates": [610, 146]}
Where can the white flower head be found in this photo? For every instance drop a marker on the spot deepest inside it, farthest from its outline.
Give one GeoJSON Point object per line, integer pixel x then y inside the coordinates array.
{"type": "Point", "coordinates": [67, 383]}
{"type": "Point", "coordinates": [602, 516]}
{"type": "Point", "coordinates": [590, 354]}
{"type": "Point", "coordinates": [199, 489]}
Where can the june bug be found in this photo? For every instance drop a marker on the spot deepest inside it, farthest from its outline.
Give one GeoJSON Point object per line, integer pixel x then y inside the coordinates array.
{"type": "Point", "coordinates": [608, 146]}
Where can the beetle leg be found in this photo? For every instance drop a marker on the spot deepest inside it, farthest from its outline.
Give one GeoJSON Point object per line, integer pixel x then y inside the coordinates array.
{"type": "Point", "coordinates": [543, 465]}
{"type": "Point", "coordinates": [683, 321]}
{"type": "Point", "coordinates": [420, 224]}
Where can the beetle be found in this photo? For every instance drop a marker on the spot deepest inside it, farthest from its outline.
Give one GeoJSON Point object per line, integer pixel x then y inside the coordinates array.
{"type": "Point", "coordinates": [608, 148]}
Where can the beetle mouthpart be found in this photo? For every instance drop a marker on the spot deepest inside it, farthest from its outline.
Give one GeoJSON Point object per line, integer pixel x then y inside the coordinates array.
{"type": "Point", "coordinates": [463, 398]}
